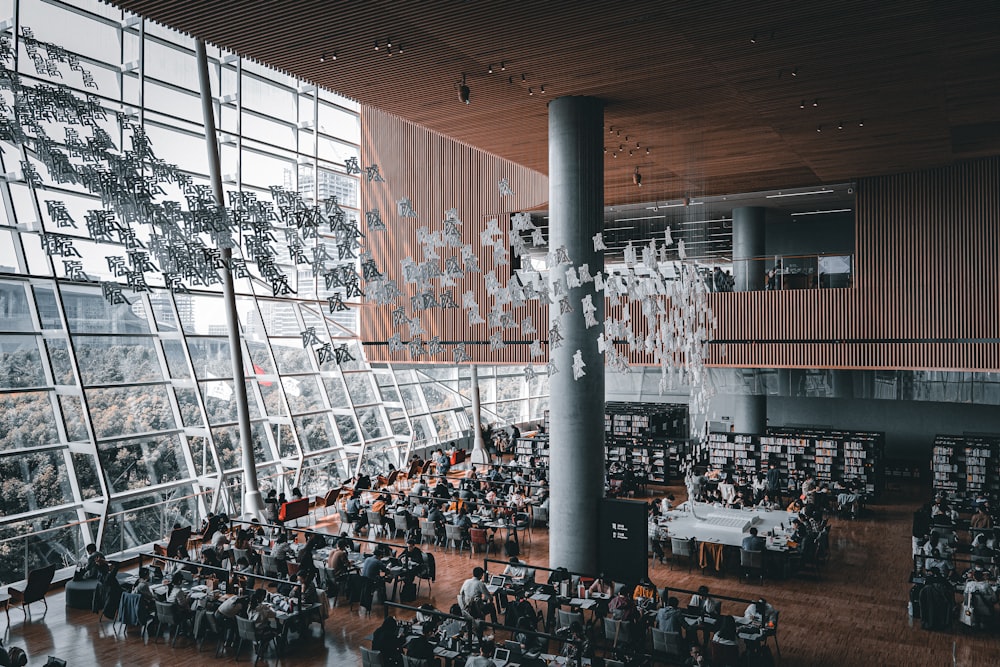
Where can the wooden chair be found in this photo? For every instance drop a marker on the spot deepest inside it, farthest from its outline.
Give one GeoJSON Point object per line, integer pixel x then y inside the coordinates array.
{"type": "Point", "coordinates": [328, 501]}
{"type": "Point", "coordinates": [479, 537]}
{"type": "Point", "coordinates": [34, 590]}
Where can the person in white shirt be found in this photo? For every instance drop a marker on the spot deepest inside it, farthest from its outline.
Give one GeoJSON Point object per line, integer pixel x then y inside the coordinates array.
{"type": "Point", "coordinates": [474, 598]}
{"type": "Point", "coordinates": [760, 613]}
{"type": "Point", "coordinates": [261, 613]}
{"type": "Point", "coordinates": [485, 657]}
{"type": "Point", "coordinates": [666, 503]}
{"type": "Point", "coordinates": [220, 540]}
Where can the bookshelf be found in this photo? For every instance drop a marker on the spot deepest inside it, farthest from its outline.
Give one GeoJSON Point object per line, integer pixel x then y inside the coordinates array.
{"type": "Point", "coordinates": [966, 466]}
{"type": "Point", "coordinates": [649, 438]}
{"type": "Point", "coordinates": [829, 455]}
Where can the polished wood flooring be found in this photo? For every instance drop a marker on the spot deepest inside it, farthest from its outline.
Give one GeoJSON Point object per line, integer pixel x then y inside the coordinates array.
{"type": "Point", "coordinates": [855, 614]}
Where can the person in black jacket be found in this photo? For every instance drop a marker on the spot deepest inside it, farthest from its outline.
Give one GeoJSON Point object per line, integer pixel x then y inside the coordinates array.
{"type": "Point", "coordinates": [420, 648]}
{"type": "Point", "coordinates": [386, 639]}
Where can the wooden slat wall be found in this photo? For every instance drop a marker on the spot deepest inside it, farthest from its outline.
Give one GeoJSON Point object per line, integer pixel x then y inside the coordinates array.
{"type": "Point", "coordinates": [926, 285]}
{"type": "Point", "coordinates": [438, 173]}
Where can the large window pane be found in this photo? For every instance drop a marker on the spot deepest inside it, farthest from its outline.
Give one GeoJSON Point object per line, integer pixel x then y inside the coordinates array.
{"type": "Point", "coordinates": [126, 410]}
{"type": "Point", "coordinates": [314, 433]}
{"type": "Point", "coordinates": [33, 481]}
{"type": "Point", "coordinates": [27, 420]}
{"type": "Point", "coordinates": [134, 464]}
{"type": "Point", "coordinates": [117, 361]}
{"type": "Point", "coordinates": [14, 315]}
{"type": "Point", "coordinates": [20, 362]}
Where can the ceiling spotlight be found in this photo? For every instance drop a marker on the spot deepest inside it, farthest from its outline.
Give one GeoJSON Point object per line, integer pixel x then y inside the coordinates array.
{"type": "Point", "coordinates": [647, 150]}
{"type": "Point", "coordinates": [637, 177]}
{"type": "Point", "coordinates": [491, 68]}
{"type": "Point", "coordinates": [388, 49]}
{"type": "Point", "coordinates": [753, 40]}
{"type": "Point", "coordinates": [388, 43]}
{"type": "Point", "coordinates": [463, 91]}
{"type": "Point", "coordinates": [503, 67]}
{"type": "Point", "coordinates": [530, 91]}
{"type": "Point", "coordinates": [400, 49]}
{"type": "Point", "coordinates": [510, 80]}
{"type": "Point", "coordinates": [621, 147]}
{"type": "Point", "coordinates": [861, 123]}
{"type": "Point", "coordinates": [322, 58]}
{"type": "Point", "coordinates": [802, 104]}
{"type": "Point", "coordinates": [795, 72]}
{"type": "Point", "coordinates": [542, 90]}
{"type": "Point", "coordinates": [637, 145]}
{"type": "Point", "coordinates": [523, 77]}
{"type": "Point", "coordinates": [605, 149]}
{"type": "Point", "coordinates": [819, 128]}
{"type": "Point", "coordinates": [611, 129]}
{"type": "Point", "coordinates": [615, 155]}
{"type": "Point", "coordinates": [618, 133]}
{"type": "Point", "coordinates": [334, 56]}
{"type": "Point", "coordinates": [630, 153]}
{"type": "Point", "coordinates": [376, 45]}
{"type": "Point", "coordinates": [840, 125]}
{"type": "Point", "coordinates": [816, 102]}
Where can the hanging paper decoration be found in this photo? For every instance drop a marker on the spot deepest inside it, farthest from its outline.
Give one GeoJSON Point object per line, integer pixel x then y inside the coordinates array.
{"type": "Point", "coordinates": [578, 365]}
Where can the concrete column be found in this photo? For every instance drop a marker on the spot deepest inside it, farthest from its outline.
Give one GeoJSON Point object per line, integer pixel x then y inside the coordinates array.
{"type": "Point", "coordinates": [253, 503]}
{"type": "Point", "coordinates": [748, 242]}
{"type": "Point", "coordinates": [576, 407]}
{"type": "Point", "coordinates": [479, 454]}
{"type": "Point", "coordinates": [749, 414]}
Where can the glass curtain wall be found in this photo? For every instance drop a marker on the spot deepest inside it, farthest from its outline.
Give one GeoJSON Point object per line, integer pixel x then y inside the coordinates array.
{"type": "Point", "coordinates": [118, 405]}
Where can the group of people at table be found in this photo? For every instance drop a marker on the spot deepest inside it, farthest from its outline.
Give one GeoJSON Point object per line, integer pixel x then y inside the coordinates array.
{"type": "Point", "coordinates": [955, 555]}
{"type": "Point", "coordinates": [513, 602]}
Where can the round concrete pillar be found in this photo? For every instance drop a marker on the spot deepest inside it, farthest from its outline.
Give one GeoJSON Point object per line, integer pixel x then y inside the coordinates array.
{"type": "Point", "coordinates": [576, 407]}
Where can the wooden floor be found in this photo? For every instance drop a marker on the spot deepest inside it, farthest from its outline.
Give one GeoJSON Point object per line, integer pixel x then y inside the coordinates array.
{"type": "Point", "coordinates": [855, 615]}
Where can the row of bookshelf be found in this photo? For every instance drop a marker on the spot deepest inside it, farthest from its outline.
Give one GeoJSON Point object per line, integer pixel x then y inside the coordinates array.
{"type": "Point", "coordinates": [829, 455]}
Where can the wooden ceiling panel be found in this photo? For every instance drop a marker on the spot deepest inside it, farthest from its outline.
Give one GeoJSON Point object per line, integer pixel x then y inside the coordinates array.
{"type": "Point", "coordinates": [697, 82]}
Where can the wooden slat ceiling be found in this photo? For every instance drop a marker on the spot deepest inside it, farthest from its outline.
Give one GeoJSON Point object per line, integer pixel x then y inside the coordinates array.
{"type": "Point", "coordinates": [708, 86]}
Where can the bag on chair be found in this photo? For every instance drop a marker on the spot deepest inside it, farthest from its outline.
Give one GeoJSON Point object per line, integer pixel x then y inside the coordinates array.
{"type": "Point", "coordinates": [967, 616]}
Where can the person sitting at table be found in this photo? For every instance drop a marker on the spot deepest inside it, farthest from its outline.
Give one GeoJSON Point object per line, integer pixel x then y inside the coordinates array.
{"type": "Point", "coordinates": [296, 493]}
{"type": "Point", "coordinates": [622, 608]}
{"type": "Point", "coordinates": [937, 562]}
{"type": "Point", "coordinates": [696, 658]}
{"type": "Point", "coordinates": [436, 517]}
{"type": "Point", "coordinates": [262, 615]}
{"type": "Point", "coordinates": [225, 615]}
{"type": "Point", "coordinates": [983, 597]}
{"type": "Point", "coordinates": [353, 511]}
{"type": "Point", "coordinates": [463, 522]}
{"type": "Point", "coordinates": [702, 601]}
{"type": "Point", "coordinates": [577, 645]}
{"type": "Point", "coordinates": [91, 565]}
{"type": "Point", "coordinates": [338, 561]}
{"type": "Point", "coordinates": [516, 570]}
{"type": "Point", "coordinates": [455, 503]}
{"type": "Point", "coordinates": [421, 648]}
{"type": "Point", "coordinates": [346, 540]}
{"type": "Point", "coordinates": [753, 541]}
{"type": "Point", "coordinates": [475, 599]}
{"type": "Point", "coordinates": [669, 616]}
{"type": "Point", "coordinates": [220, 538]}
{"type": "Point", "coordinates": [485, 656]}
{"type": "Point", "coordinates": [210, 561]}
{"type": "Point", "coordinates": [603, 587]}
{"type": "Point", "coordinates": [767, 503]}
{"type": "Point", "coordinates": [373, 573]}
{"type": "Point", "coordinates": [760, 613]}
{"type": "Point", "coordinates": [143, 588]}
{"type": "Point", "coordinates": [419, 487]}
{"type": "Point", "coordinates": [644, 594]}
{"type": "Point", "coordinates": [420, 509]}
{"type": "Point", "coordinates": [305, 595]}
{"type": "Point", "coordinates": [412, 560]}
{"type": "Point", "coordinates": [387, 641]}
{"type": "Point", "coordinates": [727, 635]}
{"type": "Point", "coordinates": [442, 490]}
{"type": "Point", "coordinates": [282, 550]}
{"type": "Point", "coordinates": [795, 506]}
{"type": "Point", "coordinates": [381, 504]}
{"type": "Point", "coordinates": [307, 554]}
{"type": "Point", "coordinates": [527, 625]}
{"type": "Point", "coordinates": [727, 491]}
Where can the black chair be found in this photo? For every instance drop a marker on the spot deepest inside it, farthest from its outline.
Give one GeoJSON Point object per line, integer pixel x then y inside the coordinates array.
{"type": "Point", "coordinates": [34, 589]}
{"type": "Point", "coordinates": [752, 562]}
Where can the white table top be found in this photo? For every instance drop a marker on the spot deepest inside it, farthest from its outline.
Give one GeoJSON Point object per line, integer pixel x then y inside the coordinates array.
{"type": "Point", "coordinates": [727, 526]}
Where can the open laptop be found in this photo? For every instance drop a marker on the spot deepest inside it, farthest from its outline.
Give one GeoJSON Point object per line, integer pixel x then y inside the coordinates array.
{"type": "Point", "coordinates": [497, 581]}
{"type": "Point", "coordinates": [501, 656]}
